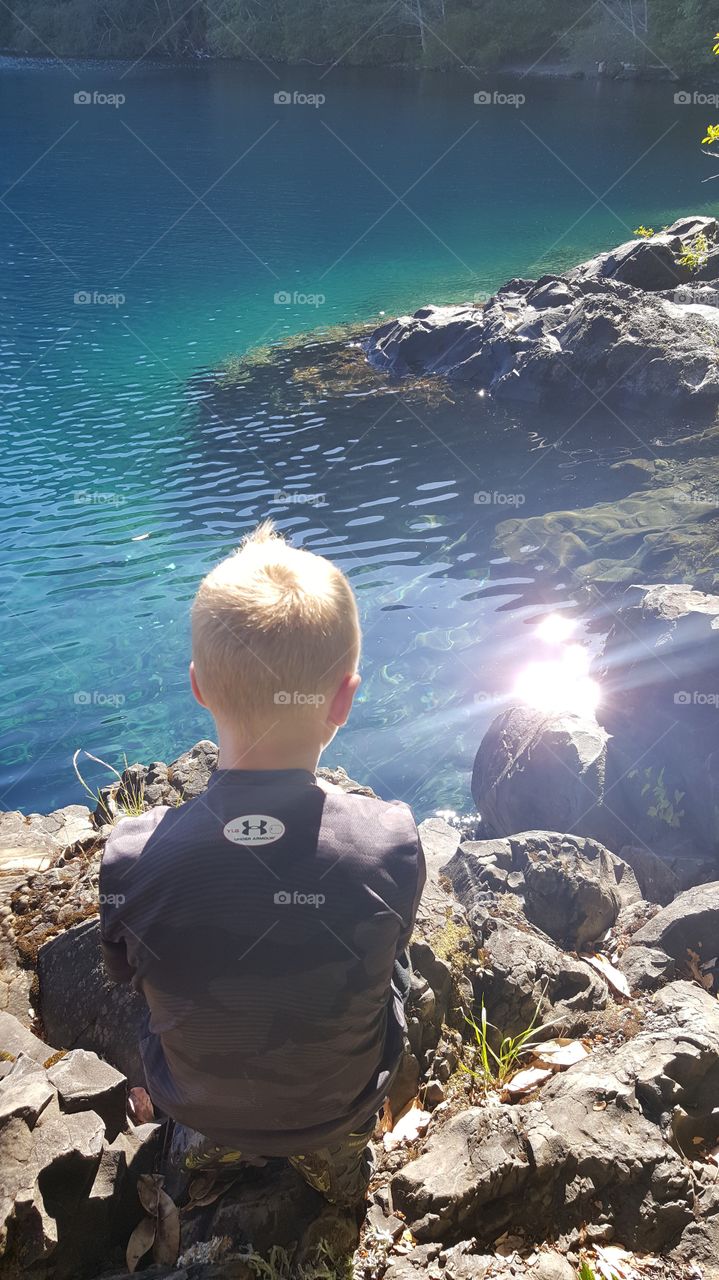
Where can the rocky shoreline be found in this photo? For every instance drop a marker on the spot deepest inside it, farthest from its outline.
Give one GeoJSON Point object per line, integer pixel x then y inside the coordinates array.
{"type": "Point", "coordinates": [593, 1152]}
{"type": "Point", "coordinates": [576, 903]}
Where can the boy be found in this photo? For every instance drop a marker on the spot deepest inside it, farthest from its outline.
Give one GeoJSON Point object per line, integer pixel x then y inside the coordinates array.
{"type": "Point", "coordinates": [266, 920]}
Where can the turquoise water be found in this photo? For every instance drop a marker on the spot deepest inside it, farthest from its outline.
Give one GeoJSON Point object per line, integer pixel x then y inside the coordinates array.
{"type": "Point", "coordinates": [120, 488]}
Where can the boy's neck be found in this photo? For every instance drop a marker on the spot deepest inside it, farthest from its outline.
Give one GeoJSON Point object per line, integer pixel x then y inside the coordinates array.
{"type": "Point", "coordinates": [236, 753]}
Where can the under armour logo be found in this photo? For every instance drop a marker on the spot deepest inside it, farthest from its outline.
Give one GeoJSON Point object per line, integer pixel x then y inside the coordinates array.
{"type": "Point", "coordinates": [250, 828]}
{"type": "Point", "coordinates": [254, 829]}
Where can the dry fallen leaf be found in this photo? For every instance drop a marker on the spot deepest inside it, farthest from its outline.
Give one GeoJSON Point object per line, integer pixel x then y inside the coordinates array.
{"type": "Point", "coordinates": [160, 1229]}
{"type": "Point", "coordinates": [531, 1078]}
{"type": "Point", "coordinates": [411, 1125]}
{"type": "Point", "coordinates": [149, 1186]}
{"type": "Point", "coordinates": [167, 1240]}
{"type": "Point", "coordinates": [612, 976]}
{"type": "Point", "coordinates": [561, 1053]}
{"type": "Point", "coordinates": [696, 969]}
{"type": "Point", "coordinates": [140, 1242]}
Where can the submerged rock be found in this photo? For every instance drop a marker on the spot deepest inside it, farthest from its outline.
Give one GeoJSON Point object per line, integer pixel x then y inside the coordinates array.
{"type": "Point", "coordinates": [602, 331]}
{"type": "Point", "coordinates": [659, 675]}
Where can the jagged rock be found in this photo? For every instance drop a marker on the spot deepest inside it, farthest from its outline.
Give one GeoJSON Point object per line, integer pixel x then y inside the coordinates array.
{"type": "Point", "coordinates": [592, 1149]}
{"type": "Point", "coordinates": [539, 771]}
{"type": "Point", "coordinates": [571, 888]}
{"type": "Point", "coordinates": [656, 879]}
{"type": "Point", "coordinates": [659, 951]}
{"type": "Point", "coordinates": [30, 844]}
{"type": "Point", "coordinates": [47, 1169]}
{"type": "Point", "coordinates": [587, 334]}
{"type": "Point", "coordinates": [338, 777]}
{"type": "Point", "coordinates": [24, 1098]}
{"type": "Point", "coordinates": [659, 672]}
{"type": "Point", "coordinates": [522, 971]}
{"type": "Point", "coordinates": [15, 1038]}
{"type": "Point", "coordinates": [651, 263]}
{"type": "Point", "coordinates": [81, 1009]}
{"type": "Point", "coordinates": [184, 779]}
{"type": "Point", "coordinates": [85, 1083]}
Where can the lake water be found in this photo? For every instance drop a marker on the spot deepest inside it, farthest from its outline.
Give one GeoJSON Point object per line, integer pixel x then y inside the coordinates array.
{"type": "Point", "coordinates": [202, 205]}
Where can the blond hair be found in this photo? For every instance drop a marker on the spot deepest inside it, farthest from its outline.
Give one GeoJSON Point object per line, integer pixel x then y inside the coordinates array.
{"type": "Point", "coordinates": [273, 627]}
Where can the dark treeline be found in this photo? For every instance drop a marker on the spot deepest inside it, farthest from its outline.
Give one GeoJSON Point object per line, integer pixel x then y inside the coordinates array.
{"type": "Point", "coordinates": [432, 33]}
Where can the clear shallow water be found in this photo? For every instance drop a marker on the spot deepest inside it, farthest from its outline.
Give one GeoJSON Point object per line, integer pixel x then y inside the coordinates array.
{"type": "Point", "coordinates": [121, 486]}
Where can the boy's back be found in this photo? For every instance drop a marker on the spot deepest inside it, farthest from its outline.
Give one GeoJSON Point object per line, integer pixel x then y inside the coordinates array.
{"type": "Point", "coordinates": [262, 921]}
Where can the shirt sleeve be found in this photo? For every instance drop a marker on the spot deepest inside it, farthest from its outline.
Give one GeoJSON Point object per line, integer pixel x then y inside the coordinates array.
{"type": "Point", "coordinates": [421, 880]}
{"type": "Point", "coordinates": [124, 846]}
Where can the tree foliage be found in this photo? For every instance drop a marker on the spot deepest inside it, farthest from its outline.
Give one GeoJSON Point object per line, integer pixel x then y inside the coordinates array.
{"type": "Point", "coordinates": [432, 33]}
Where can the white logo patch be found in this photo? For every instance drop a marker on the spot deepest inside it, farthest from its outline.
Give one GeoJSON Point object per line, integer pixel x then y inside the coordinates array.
{"type": "Point", "coordinates": [254, 828]}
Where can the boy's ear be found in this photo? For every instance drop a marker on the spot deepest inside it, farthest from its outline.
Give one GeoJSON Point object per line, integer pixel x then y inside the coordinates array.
{"type": "Point", "coordinates": [341, 704]}
{"type": "Point", "coordinates": [195, 686]}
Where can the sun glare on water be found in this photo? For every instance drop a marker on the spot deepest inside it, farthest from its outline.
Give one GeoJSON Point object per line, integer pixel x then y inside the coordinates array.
{"type": "Point", "coordinates": [560, 681]}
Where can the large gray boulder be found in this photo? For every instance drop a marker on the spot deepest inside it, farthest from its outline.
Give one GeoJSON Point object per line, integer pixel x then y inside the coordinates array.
{"type": "Point", "coordinates": [81, 1009]}
{"type": "Point", "coordinates": [687, 930]}
{"type": "Point", "coordinates": [598, 1148]}
{"type": "Point", "coordinates": [539, 771]}
{"type": "Point", "coordinates": [601, 331]}
{"type": "Point", "coordinates": [571, 888]}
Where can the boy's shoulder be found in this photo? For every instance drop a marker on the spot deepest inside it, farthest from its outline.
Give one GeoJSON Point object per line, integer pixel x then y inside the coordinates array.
{"type": "Point", "coordinates": [129, 837]}
{"type": "Point", "coordinates": [393, 818]}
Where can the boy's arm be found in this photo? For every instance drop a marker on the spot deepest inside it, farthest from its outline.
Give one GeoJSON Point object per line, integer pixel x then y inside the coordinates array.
{"type": "Point", "coordinates": [406, 934]}
{"type": "Point", "coordinates": [116, 963]}
{"type": "Point", "coordinates": [112, 943]}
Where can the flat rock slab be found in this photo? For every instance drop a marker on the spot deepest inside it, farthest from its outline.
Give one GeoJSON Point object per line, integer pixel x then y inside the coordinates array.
{"type": "Point", "coordinates": [15, 1038]}
{"type": "Point", "coordinates": [29, 839]}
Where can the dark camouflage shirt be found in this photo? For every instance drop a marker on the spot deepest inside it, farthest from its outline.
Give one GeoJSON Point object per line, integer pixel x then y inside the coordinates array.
{"type": "Point", "coordinates": [261, 921]}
